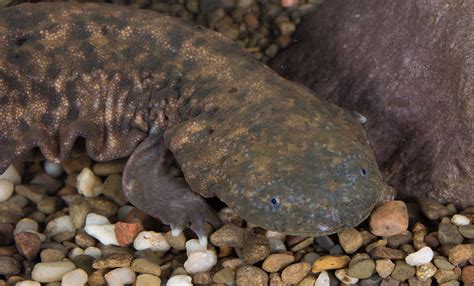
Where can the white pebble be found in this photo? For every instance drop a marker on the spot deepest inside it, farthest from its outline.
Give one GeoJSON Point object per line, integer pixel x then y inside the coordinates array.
{"type": "Point", "coordinates": [88, 184]}
{"type": "Point", "coordinates": [180, 280]}
{"type": "Point", "coordinates": [95, 219]}
{"type": "Point", "coordinates": [275, 234]}
{"type": "Point", "coordinates": [27, 283]}
{"type": "Point", "coordinates": [104, 233]}
{"type": "Point", "coordinates": [46, 272]}
{"type": "Point", "coordinates": [59, 225]}
{"type": "Point", "coordinates": [75, 252]}
{"type": "Point", "coordinates": [26, 224]}
{"type": "Point", "coordinates": [120, 276]}
{"type": "Point", "coordinates": [154, 241]}
{"type": "Point", "coordinates": [276, 245]}
{"type": "Point", "coordinates": [422, 256]}
{"type": "Point", "coordinates": [6, 189]}
{"type": "Point", "coordinates": [93, 251]}
{"type": "Point", "coordinates": [12, 175]}
{"type": "Point", "coordinates": [460, 220]}
{"type": "Point", "coordinates": [123, 211]}
{"type": "Point", "coordinates": [342, 275]}
{"type": "Point", "coordinates": [53, 169]}
{"type": "Point", "coordinates": [76, 277]}
{"type": "Point", "coordinates": [193, 245]}
{"type": "Point", "coordinates": [323, 279]}
{"type": "Point", "coordinates": [199, 261]}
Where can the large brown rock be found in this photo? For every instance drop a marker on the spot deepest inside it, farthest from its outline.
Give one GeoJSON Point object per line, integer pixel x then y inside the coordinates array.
{"type": "Point", "coordinates": [408, 67]}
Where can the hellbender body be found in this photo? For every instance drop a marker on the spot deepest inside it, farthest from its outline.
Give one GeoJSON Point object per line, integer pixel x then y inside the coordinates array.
{"type": "Point", "coordinates": [133, 82]}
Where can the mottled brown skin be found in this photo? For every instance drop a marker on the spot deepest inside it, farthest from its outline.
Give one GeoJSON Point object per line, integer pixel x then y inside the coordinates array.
{"type": "Point", "coordinates": [282, 158]}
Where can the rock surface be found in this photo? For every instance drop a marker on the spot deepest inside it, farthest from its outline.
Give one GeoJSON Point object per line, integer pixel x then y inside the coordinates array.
{"type": "Point", "coordinates": [407, 67]}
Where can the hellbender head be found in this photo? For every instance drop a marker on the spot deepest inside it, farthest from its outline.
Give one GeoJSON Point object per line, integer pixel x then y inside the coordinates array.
{"type": "Point", "coordinates": [293, 164]}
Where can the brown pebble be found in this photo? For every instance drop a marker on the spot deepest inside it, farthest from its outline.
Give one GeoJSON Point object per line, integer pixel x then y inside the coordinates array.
{"type": "Point", "coordinates": [229, 235]}
{"type": "Point", "coordinates": [425, 271]}
{"type": "Point", "coordinates": [6, 234]}
{"type": "Point", "coordinates": [97, 278]}
{"type": "Point", "coordinates": [275, 280]}
{"type": "Point", "coordinates": [384, 267]}
{"type": "Point", "coordinates": [432, 209]}
{"type": "Point", "coordinates": [256, 248]}
{"type": "Point", "coordinates": [84, 240]}
{"type": "Point", "coordinates": [126, 232]}
{"type": "Point", "coordinates": [468, 275]}
{"type": "Point", "coordinates": [460, 254]}
{"type": "Point", "coordinates": [148, 266]}
{"type": "Point", "coordinates": [177, 242]}
{"type": "Point", "coordinates": [9, 266]}
{"type": "Point", "coordinates": [114, 261]}
{"type": "Point", "coordinates": [402, 271]}
{"type": "Point", "coordinates": [389, 281]}
{"type": "Point", "coordinates": [200, 278]}
{"type": "Point", "coordinates": [51, 254]}
{"type": "Point", "coordinates": [294, 273]}
{"type": "Point", "coordinates": [432, 240]}
{"type": "Point", "coordinates": [225, 276]}
{"type": "Point", "coordinates": [28, 244]}
{"type": "Point", "coordinates": [385, 252]}
{"type": "Point", "coordinates": [277, 261]}
{"type": "Point", "coordinates": [389, 218]}
{"type": "Point", "coordinates": [329, 262]}
{"type": "Point", "coordinates": [350, 240]}
{"type": "Point", "coordinates": [252, 276]}
{"type": "Point", "coordinates": [443, 276]}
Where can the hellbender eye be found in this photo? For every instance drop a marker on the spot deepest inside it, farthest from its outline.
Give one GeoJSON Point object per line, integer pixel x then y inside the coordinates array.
{"type": "Point", "coordinates": [275, 201]}
{"type": "Point", "coordinates": [363, 172]}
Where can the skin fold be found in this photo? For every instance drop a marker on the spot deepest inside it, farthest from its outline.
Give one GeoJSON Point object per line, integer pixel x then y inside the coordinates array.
{"type": "Point", "coordinates": [198, 116]}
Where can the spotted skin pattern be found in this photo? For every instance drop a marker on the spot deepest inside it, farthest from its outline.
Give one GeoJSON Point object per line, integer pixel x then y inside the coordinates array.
{"type": "Point", "coordinates": [127, 79]}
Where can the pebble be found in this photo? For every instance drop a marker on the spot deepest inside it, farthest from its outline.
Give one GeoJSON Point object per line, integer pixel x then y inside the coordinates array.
{"type": "Point", "coordinates": [46, 272]}
{"type": "Point", "coordinates": [251, 275]}
{"type": "Point", "coordinates": [108, 168]}
{"type": "Point", "coordinates": [294, 273]}
{"type": "Point", "coordinates": [389, 281]}
{"type": "Point", "coordinates": [276, 245]}
{"type": "Point", "coordinates": [443, 276]}
{"type": "Point", "coordinates": [390, 218]}
{"type": "Point", "coordinates": [303, 244]}
{"type": "Point", "coordinates": [323, 279]}
{"type": "Point", "coordinates": [125, 233]}
{"type": "Point", "coordinates": [225, 276]}
{"type": "Point", "coordinates": [200, 261]}
{"type": "Point", "coordinates": [460, 254]}
{"type": "Point", "coordinates": [11, 174]}
{"type": "Point", "coordinates": [229, 235]}
{"type": "Point", "coordinates": [9, 266]}
{"type": "Point", "coordinates": [448, 234]}
{"type": "Point", "coordinates": [27, 283]}
{"type": "Point", "coordinates": [386, 252]}
{"type": "Point", "coordinates": [94, 252]}
{"type": "Point", "coordinates": [147, 266]}
{"type": "Point", "coordinates": [402, 271]}
{"type": "Point", "coordinates": [384, 267]}
{"type": "Point", "coordinates": [6, 189]}
{"type": "Point", "coordinates": [442, 263]}
{"type": "Point", "coordinates": [329, 262]}
{"type": "Point", "coordinates": [33, 193]}
{"type": "Point", "coordinates": [103, 233]}
{"type": "Point", "coordinates": [28, 244]}
{"type": "Point", "coordinates": [350, 240]}
{"type": "Point", "coordinates": [115, 260]}
{"type": "Point", "coordinates": [95, 219]}
{"type": "Point", "coordinates": [120, 277]}
{"type": "Point", "coordinates": [362, 269]}
{"type": "Point", "coordinates": [112, 189]}
{"type": "Point", "coordinates": [458, 220]}
{"type": "Point", "coordinates": [51, 254]}
{"type": "Point", "coordinates": [154, 241]}
{"type": "Point", "coordinates": [467, 230]}
{"type": "Point", "coordinates": [26, 224]}
{"type": "Point", "coordinates": [325, 242]}
{"type": "Point", "coordinates": [76, 277]}
{"type": "Point", "coordinates": [256, 248]}
{"type": "Point", "coordinates": [425, 271]}
{"type": "Point", "coordinates": [53, 169]}
{"type": "Point", "coordinates": [397, 240]}
{"type": "Point", "coordinates": [422, 256]}
{"type": "Point", "coordinates": [48, 205]}
{"type": "Point", "coordinates": [147, 280]}
{"type": "Point", "coordinates": [432, 209]}
{"type": "Point", "coordinates": [276, 262]}
{"type": "Point", "coordinates": [59, 225]}
{"type": "Point", "coordinates": [179, 280]}
{"type": "Point", "coordinates": [344, 277]}
{"type": "Point", "coordinates": [468, 275]}
{"type": "Point", "coordinates": [194, 245]}
{"type": "Point", "coordinates": [88, 184]}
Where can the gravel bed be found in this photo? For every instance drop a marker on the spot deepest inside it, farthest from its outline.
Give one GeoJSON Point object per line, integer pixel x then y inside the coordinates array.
{"type": "Point", "coordinates": [70, 224]}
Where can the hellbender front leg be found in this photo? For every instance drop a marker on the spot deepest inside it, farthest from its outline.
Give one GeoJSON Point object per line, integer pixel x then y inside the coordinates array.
{"type": "Point", "coordinates": [153, 185]}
